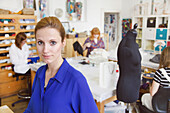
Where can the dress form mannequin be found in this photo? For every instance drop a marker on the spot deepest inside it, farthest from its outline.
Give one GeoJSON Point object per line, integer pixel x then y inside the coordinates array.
{"type": "Point", "coordinates": [129, 61]}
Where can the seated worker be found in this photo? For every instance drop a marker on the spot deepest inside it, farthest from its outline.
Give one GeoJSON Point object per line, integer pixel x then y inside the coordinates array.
{"type": "Point", "coordinates": [19, 52]}
{"type": "Point", "coordinates": [94, 41]}
{"type": "Point", "coordinates": [159, 80]}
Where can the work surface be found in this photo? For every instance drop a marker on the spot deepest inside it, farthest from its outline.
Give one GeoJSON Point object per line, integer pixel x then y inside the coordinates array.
{"type": "Point", "coordinates": [146, 56]}
{"type": "Point", "coordinates": [91, 73]}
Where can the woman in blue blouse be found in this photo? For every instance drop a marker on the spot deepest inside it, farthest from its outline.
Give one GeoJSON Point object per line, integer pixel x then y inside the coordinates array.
{"type": "Point", "coordinates": [57, 87]}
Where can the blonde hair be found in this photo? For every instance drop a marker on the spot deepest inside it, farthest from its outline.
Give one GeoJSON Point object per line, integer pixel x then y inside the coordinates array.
{"type": "Point", "coordinates": [19, 38]}
{"type": "Point", "coordinates": [51, 22]}
{"type": "Point", "coordinates": [165, 58]}
{"type": "Point", "coordinates": [95, 30]}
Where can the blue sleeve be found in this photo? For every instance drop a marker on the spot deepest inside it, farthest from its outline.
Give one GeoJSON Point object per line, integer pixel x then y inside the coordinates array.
{"type": "Point", "coordinates": [82, 99]}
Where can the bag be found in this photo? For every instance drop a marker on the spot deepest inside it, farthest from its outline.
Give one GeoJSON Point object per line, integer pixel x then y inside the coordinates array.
{"type": "Point", "coordinates": [109, 75]}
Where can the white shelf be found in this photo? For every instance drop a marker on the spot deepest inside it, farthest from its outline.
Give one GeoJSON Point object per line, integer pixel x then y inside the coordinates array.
{"type": "Point", "coordinates": [149, 34]}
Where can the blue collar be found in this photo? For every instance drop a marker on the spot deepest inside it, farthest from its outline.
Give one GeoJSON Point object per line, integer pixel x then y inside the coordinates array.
{"type": "Point", "coordinates": [60, 75]}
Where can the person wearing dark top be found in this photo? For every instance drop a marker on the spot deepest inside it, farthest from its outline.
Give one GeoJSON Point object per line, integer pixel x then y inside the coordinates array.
{"type": "Point", "coordinates": [57, 87]}
{"type": "Point", "coordinates": [159, 79]}
{"type": "Point", "coordinates": [129, 61]}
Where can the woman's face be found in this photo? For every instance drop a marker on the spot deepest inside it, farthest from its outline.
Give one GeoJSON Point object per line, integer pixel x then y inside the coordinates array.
{"type": "Point", "coordinates": [49, 44]}
{"type": "Point", "coordinates": [95, 35]}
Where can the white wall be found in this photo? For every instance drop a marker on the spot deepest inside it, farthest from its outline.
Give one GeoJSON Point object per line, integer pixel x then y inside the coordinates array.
{"type": "Point", "coordinates": [93, 14]}
{"type": "Point", "coordinates": [12, 5]}
{"type": "Point", "coordinates": [93, 10]}
{"type": "Point", "coordinates": [128, 8]}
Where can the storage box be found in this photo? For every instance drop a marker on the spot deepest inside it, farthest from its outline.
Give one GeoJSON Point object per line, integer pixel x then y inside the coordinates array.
{"type": "Point", "coordinates": [82, 35]}
{"type": "Point", "coordinates": [2, 11]}
{"type": "Point", "coordinates": [168, 43]}
{"type": "Point", "coordinates": [70, 35]}
{"type": "Point", "coordinates": [151, 22]}
{"type": "Point", "coordinates": [149, 33]}
{"type": "Point", "coordinates": [28, 11]}
{"type": "Point", "coordinates": [161, 34]}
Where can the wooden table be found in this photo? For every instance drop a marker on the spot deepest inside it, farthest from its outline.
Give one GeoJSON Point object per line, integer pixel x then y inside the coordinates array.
{"type": "Point", "coordinates": [100, 105]}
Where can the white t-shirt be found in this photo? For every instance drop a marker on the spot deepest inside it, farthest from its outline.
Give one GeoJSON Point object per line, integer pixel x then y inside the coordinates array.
{"type": "Point", "coordinates": [19, 57]}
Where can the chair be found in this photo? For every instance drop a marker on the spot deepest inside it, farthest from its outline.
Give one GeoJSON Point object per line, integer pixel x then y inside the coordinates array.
{"type": "Point", "coordinates": [23, 94]}
{"type": "Point", "coordinates": [159, 102]}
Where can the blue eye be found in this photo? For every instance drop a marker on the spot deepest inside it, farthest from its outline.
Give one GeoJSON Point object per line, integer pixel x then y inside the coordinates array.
{"type": "Point", "coordinates": [53, 43]}
{"type": "Point", "coordinates": [40, 42]}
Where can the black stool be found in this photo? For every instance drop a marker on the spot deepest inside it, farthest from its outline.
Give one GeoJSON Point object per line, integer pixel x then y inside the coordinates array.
{"type": "Point", "coordinates": [23, 94]}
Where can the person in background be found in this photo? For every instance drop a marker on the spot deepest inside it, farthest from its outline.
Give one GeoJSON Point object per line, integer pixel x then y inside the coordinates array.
{"type": "Point", "coordinates": [94, 41]}
{"type": "Point", "coordinates": [159, 79]}
{"type": "Point", "coordinates": [57, 87]}
{"type": "Point", "coordinates": [19, 52]}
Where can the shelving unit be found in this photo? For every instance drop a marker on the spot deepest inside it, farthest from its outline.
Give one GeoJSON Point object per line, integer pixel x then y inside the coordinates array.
{"type": "Point", "coordinates": [10, 25]}
{"type": "Point", "coordinates": [152, 28]}
{"type": "Point", "coordinates": [139, 38]}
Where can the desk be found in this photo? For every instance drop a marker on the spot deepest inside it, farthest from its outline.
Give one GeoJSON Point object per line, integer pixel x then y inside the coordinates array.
{"type": "Point", "coordinates": [146, 63]}
{"type": "Point", "coordinates": [101, 95]}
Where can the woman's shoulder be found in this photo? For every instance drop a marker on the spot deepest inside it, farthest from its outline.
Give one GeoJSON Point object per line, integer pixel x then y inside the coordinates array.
{"type": "Point", "coordinates": [25, 46]}
{"type": "Point", "coordinates": [88, 39]}
{"type": "Point", "coordinates": [75, 74]}
{"type": "Point", "coordinates": [13, 47]}
{"type": "Point", "coordinates": [40, 69]}
{"type": "Point", "coordinates": [162, 69]}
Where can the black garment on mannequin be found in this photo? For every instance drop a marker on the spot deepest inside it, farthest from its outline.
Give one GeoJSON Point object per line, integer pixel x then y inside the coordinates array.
{"type": "Point", "coordinates": [129, 61]}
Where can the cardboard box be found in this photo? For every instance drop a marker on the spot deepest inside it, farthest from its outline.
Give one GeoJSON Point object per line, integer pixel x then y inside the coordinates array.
{"type": "Point", "coordinates": [82, 35]}
{"type": "Point", "coordinates": [5, 109]}
{"type": "Point", "coordinates": [2, 11]}
{"type": "Point", "coordinates": [28, 11]}
{"type": "Point", "coordinates": [70, 35]}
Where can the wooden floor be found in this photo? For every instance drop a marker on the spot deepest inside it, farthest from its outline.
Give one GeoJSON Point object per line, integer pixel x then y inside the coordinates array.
{"type": "Point", "coordinates": [18, 108]}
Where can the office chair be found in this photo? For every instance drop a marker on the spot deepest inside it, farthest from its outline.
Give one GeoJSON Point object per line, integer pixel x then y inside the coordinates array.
{"type": "Point", "coordinates": [23, 94]}
{"type": "Point", "coordinates": [160, 102]}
